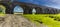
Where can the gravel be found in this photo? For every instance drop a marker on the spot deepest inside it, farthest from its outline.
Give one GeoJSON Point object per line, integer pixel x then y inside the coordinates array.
{"type": "Point", "coordinates": [15, 21]}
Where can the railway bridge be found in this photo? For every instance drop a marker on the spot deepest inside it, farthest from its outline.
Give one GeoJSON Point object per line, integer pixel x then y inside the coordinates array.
{"type": "Point", "coordinates": [27, 7]}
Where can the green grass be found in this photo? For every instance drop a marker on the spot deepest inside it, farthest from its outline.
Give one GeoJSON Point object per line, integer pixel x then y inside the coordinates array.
{"type": "Point", "coordinates": [49, 21]}
{"type": "Point", "coordinates": [2, 15]}
{"type": "Point", "coordinates": [2, 10]}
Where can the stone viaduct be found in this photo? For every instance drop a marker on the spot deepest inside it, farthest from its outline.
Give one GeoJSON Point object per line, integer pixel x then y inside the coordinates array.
{"type": "Point", "coordinates": [27, 8]}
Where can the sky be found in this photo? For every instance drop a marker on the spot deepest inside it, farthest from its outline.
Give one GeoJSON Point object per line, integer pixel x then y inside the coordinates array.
{"type": "Point", "coordinates": [19, 9]}
{"type": "Point", "coordinates": [49, 3]}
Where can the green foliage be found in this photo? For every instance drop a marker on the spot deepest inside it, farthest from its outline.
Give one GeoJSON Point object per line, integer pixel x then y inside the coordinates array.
{"type": "Point", "coordinates": [47, 19]}
{"type": "Point", "coordinates": [0, 10]}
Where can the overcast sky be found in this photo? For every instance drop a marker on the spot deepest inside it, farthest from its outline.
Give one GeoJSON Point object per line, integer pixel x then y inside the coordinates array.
{"type": "Point", "coordinates": [49, 3]}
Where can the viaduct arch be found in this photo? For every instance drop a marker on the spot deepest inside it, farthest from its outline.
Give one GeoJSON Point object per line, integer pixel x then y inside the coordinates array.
{"type": "Point", "coordinates": [27, 7]}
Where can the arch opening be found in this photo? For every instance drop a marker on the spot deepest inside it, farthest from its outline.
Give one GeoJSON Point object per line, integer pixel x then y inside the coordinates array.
{"type": "Point", "coordinates": [33, 11]}
{"type": "Point", "coordinates": [2, 9]}
{"type": "Point", "coordinates": [18, 10]}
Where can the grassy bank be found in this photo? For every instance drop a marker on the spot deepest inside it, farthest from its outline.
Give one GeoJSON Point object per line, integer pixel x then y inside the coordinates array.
{"type": "Point", "coordinates": [52, 20]}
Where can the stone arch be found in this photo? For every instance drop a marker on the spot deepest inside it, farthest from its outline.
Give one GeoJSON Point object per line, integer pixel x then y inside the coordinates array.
{"type": "Point", "coordinates": [38, 10]}
{"type": "Point", "coordinates": [18, 9]}
{"type": "Point", "coordinates": [46, 11]}
{"type": "Point", "coordinates": [6, 6]}
{"type": "Point", "coordinates": [33, 11]}
{"type": "Point", "coordinates": [26, 9]}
